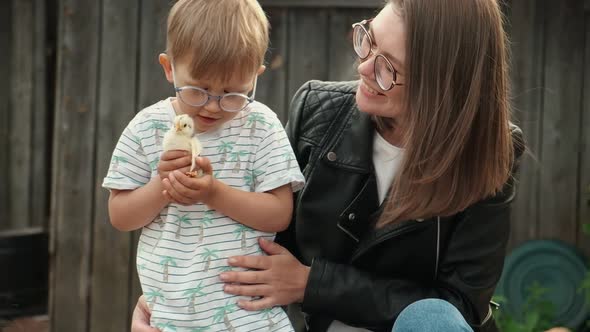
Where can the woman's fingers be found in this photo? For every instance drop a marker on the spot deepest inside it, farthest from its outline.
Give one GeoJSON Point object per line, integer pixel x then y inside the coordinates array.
{"type": "Point", "coordinates": [244, 277]}
{"type": "Point", "coordinates": [140, 322]}
{"type": "Point", "coordinates": [247, 290]}
{"type": "Point", "coordinates": [258, 304]}
{"type": "Point", "coordinates": [251, 262]}
{"type": "Point", "coordinates": [271, 248]}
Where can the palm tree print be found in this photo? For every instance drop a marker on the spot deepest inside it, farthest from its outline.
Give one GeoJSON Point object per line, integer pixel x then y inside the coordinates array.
{"type": "Point", "coordinates": [288, 156]}
{"type": "Point", "coordinates": [166, 262]}
{"type": "Point", "coordinates": [159, 221]}
{"type": "Point", "coordinates": [253, 119]}
{"type": "Point", "coordinates": [182, 220]}
{"type": "Point", "coordinates": [206, 220]}
{"type": "Point", "coordinates": [235, 156]}
{"type": "Point", "coordinates": [152, 297]}
{"type": "Point", "coordinates": [207, 255]}
{"type": "Point", "coordinates": [168, 326]}
{"type": "Point", "coordinates": [157, 241]}
{"type": "Point", "coordinates": [221, 315]}
{"type": "Point", "coordinates": [241, 232]}
{"type": "Point", "coordinates": [117, 160]}
{"type": "Point", "coordinates": [225, 148]}
{"type": "Point", "coordinates": [251, 179]}
{"type": "Point", "coordinates": [199, 329]}
{"type": "Point", "coordinates": [267, 313]}
{"type": "Point", "coordinates": [158, 127]}
{"type": "Point", "coordinates": [154, 164]}
{"type": "Point", "coordinates": [192, 293]}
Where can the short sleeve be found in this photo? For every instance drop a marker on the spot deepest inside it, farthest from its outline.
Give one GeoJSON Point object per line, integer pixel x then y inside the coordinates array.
{"type": "Point", "coordinates": [275, 164]}
{"type": "Point", "coordinates": [129, 167]}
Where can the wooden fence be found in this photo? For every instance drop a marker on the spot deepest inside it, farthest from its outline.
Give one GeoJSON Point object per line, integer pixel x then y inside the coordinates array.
{"type": "Point", "coordinates": [72, 90]}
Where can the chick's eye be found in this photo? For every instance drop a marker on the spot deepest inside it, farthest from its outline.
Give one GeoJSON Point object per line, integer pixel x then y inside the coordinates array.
{"type": "Point", "coordinates": [185, 125]}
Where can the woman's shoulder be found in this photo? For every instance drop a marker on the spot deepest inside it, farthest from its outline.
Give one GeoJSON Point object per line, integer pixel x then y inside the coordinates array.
{"type": "Point", "coordinates": [317, 104]}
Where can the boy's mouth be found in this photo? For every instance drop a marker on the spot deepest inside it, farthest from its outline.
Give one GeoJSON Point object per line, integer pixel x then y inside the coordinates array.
{"type": "Point", "coordinates": [206, 119]}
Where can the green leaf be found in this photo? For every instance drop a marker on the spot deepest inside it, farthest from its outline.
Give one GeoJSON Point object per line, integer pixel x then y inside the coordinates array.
{"type": "Point", "coordinates": [586, 228]}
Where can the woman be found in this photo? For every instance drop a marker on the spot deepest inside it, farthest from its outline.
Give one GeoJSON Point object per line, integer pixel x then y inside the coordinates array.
{"type": "Point", "coordinates": [404, 219]}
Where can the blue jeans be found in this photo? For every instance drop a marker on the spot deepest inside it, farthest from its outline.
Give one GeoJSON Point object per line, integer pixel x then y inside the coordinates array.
{"type": "Point", "coordinates": [431, 315]}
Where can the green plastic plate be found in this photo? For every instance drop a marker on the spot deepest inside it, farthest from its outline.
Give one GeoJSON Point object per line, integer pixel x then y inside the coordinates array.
{"type": "Point", "coordinates": [557, 267]}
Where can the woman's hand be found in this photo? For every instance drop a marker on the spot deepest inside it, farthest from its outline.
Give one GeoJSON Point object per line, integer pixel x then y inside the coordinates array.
{"type": "Point", "coordinates": [173, 160]}
{"type": "Point", "coordinates": [140, 322]}
{"type": "Point", "coordinates": [187, 190]}
{"type": "Point", "coordinates": [280, 280]}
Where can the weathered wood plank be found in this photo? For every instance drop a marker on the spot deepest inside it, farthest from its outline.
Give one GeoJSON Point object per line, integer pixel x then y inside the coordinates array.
{"type": "Point", "coordinates": [41, 147]}
{"type": "Point", "coordinates": [272, 85]}
{"type": "Point", "coordinates": [308, 47]}
{"type": "Point", "coordinates": [152, 84]}
{"type": "Point", "coordinates": [21, 119]}
{"type": "Point", "coordinates": [564, 51]}
{"type": "Point", "coordinates": [73, 163]}
{"type": "Point", "coordinates": [584, 201]}
{"type": "Point", "coordinates": [5, 71]}
{"type": "Point", "coordinates": [527, 24]}
{"type": "Point", "coordinates": [111, 254]}
{"type": "Point", "coordinates": [343, 62]}
{"type": "Point", "coordinates": [324, 3]}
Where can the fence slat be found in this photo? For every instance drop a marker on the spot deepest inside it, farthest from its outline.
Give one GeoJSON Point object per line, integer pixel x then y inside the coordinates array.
{"type": "Point", "coordinates": [152, 84]}
{"type": "Point", "coordinates": [41, 139]}
{"type": "Point", "coordinates": [111, 269]}
{"type": "Point", "coordinates": [21, 119]}
{"type": "Point", "coordinates": [562, 102]}
{"type": "Point", "coordinates": [308, 47]}
{"type": "Point", "coordinates": [584, 202]}
{"type": "Point", "coordinates": [527, 78]}
{"type": "Point", "coordinates": [272, 85]}
{"type": "Point", "coordinates": [5, 71]}
{"type": "Point", "coordinates": [73, 163]}
{"type": "Point", "coordinates": [342, 64]}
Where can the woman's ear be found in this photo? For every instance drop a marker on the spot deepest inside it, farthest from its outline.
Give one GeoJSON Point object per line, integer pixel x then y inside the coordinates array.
{"type": "Point", "coordinates": [167, 66]}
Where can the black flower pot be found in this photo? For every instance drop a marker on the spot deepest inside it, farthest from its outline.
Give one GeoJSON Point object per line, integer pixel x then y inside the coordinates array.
{"type": "Point", "coordinates": [24, 266]}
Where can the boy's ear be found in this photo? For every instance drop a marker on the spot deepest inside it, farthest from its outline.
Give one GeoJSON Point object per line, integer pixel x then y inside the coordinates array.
{"type": "Point", "coordinates": [166, 65]}
{"type": "Point", "coordinates": [261, 70]}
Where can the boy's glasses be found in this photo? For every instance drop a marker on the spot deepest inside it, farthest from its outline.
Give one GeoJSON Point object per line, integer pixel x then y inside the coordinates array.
{"type": "Point", "coordinates": [229, 102]}
{"type": "Point", "coordinates": [385, 73]}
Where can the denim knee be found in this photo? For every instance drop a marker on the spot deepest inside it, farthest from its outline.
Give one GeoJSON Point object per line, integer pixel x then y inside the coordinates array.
{"type": "Point", "coordinates": [431, 315]}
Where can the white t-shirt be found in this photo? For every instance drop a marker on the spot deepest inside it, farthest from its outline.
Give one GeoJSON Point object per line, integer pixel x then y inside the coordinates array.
{"type": "Point", "coordinates": [386, 160]}
{"type": "Point", "coordinates": [181, 253]}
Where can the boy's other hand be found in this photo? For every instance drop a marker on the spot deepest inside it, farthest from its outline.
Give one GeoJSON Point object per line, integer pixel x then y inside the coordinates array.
{"type": "Point", "coordinates": [185, 190]}
{"type": "Point", "coordinates": [141, 317]}
{"type": "Point", "coordinates": [173, 160]}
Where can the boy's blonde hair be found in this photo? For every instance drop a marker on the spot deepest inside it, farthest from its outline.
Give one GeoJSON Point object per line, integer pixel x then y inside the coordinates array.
{"type": "Point", "coordinates": [220, 38]}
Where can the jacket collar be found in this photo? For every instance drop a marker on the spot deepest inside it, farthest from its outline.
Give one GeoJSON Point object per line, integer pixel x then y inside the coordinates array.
{"type": "Point", "coordinates": [352, 144]}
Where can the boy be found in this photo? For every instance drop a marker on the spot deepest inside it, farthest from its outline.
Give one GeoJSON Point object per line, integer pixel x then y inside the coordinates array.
{"type": "Point", "coordinates": [215, 52]}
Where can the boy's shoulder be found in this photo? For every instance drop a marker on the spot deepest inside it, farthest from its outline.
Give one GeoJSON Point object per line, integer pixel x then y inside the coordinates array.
{"type": "Point", "coordinates": [258, 110]}
{"type": "Point", "coordinates": [157, 114]}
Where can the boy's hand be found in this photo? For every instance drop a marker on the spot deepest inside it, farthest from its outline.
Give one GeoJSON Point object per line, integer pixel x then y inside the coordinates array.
{"type": "Point", "coordinates": [173, 160]}
{"type": "Point", "coordinates": [185, 190]}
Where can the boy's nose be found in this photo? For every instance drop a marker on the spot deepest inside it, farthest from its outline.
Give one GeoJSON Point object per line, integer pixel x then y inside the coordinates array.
{"type": "Point", "coordinates": [212, 105]}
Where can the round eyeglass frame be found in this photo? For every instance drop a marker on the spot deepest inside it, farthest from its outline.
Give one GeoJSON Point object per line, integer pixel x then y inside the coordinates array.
{"type": "Point", "coordinates": [249, 100]}
{"type": "Point", "coordinates": [359, 28]}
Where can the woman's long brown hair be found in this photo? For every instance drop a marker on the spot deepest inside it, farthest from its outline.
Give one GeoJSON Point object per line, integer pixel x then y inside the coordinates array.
{"type": "Point", "coordinates": [458, 146]}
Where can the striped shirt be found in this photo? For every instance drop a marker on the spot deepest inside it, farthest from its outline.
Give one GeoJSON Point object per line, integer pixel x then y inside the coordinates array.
{"type": "Point", "coordinates": [182, 252]}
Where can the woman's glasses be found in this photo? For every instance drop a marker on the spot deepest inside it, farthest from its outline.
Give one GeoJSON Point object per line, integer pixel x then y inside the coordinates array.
{"type": "Point", "coordinates": [385, 73]}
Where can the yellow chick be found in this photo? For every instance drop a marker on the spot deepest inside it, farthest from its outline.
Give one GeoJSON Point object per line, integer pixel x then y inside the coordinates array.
{"type": "Point", "coordinates": [181, 137]}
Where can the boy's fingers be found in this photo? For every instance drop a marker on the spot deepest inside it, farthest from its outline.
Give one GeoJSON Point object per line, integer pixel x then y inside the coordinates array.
{"type": "Point", "coordinates": [205, 165]}
{"type": "Point", "coordinates": [172, 191]}
{"type": "Point", "coordinates": [173, 154]}
{"type": "Point", "coordinates": [173, 164]}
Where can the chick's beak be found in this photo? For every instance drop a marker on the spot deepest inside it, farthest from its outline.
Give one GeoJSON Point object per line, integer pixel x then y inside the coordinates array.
{"type": "Point", "coordinates": [177, 126]}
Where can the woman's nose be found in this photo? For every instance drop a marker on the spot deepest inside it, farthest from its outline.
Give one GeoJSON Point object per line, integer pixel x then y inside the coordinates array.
{"type": "Point", "coordinates": [365, 67]}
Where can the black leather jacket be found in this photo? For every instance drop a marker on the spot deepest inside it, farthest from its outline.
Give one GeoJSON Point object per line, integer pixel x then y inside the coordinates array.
{"type": "Point", "coordinates": [365, 276]}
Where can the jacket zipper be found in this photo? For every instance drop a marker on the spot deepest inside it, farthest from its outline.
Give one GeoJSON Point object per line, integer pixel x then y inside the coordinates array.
{"type": "Point", "coordinates": [400, 231]}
